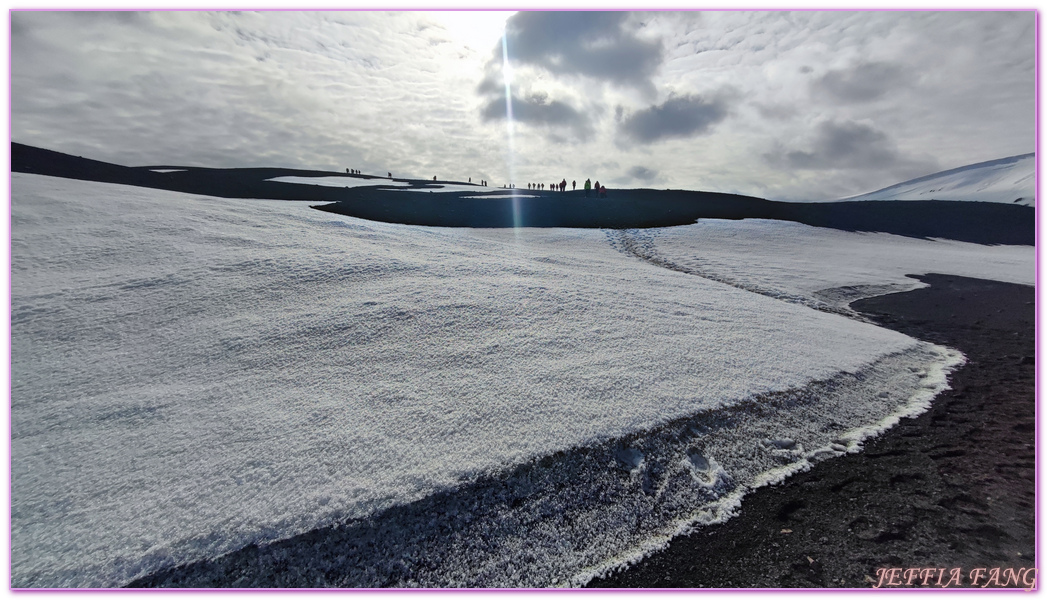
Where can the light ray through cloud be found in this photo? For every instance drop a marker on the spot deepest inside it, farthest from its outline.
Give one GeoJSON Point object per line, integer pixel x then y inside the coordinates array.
{"type": "Point", "coordinates": [744, 102]}
{"type": "Point", "coordinates": [507, 71]}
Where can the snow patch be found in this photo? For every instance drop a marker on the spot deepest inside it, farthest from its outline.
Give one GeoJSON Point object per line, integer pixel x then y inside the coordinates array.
{"type": "Point", "coordinates": [440, 188]}
{"type": "Point", "coordinates": [338, 181]}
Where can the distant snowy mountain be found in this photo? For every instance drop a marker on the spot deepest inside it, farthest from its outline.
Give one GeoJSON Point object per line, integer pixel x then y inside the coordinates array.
{"type": "Point", "coordinates": [1008, 180]}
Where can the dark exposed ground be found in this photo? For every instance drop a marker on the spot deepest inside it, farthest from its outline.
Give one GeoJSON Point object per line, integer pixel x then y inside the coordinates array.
{"type": "Point", "coordinates": [953, 487]}
{"type": "Point", "coordinates": [978, 222]}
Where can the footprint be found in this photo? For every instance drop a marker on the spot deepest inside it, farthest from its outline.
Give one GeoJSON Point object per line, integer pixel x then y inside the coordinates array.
{"type": "Point", "coordinates": [782, 444]}
{"type": "Point", "coordinates": [629, 459]}
{"type": "Point", "coordinates": [704, 470]}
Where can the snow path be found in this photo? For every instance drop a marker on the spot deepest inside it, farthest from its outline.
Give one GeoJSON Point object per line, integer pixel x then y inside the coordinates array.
{"type": "Point", "coordinates": [825, 269]}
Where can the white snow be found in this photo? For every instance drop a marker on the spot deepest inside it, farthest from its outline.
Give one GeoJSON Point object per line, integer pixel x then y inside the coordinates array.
{"type": "Point", "coordinates": [342, 182]}
{"type": "Point", "coordinates": [452, 187]}
{"type": "Point", "coordinates": [792, 260]}
{"type": "Point", "coordinates": [490, 196]}
{"type": "Point", "coordinates": [1004, 180]}
{"type": "Point", "coordinates": [192, 374]}
{"type": "Point", "coordinates": [168, 170]}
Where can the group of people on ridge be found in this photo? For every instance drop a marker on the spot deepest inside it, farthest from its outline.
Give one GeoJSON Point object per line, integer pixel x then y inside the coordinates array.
{"type": "Point", "coordinates": [601, 191]}
{"type": "Point", "coordinates": [552, 186]}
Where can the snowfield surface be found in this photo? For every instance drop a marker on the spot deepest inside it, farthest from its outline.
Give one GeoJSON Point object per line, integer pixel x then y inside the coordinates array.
{"type": "Point", "coordinates": [191, 375]}
{"type": "Point", "coordinates": [816, 265]}
{"type": "Point", "coordinates": [1010, 180]}
{"type": "Point", "coordinates": [457, 188]}
{"type": "Point", "coordinates": [341, 182]}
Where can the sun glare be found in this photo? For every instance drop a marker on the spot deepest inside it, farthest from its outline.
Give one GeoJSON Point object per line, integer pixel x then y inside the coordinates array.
{"type": "Point", "coordinates": [480, 30]}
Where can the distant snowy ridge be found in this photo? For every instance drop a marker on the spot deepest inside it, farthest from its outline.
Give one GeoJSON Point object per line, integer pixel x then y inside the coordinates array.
{"type": "Point", "coordinates": [1007, 180]}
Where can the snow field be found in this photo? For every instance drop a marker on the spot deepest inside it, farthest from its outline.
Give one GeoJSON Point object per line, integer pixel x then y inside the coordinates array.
{"type": "Point", "coordinates": [816, 266]}
{"type": "Point", "coordinates": [191, 375]}
{"type": "Point", "coordinates": [341, 182]}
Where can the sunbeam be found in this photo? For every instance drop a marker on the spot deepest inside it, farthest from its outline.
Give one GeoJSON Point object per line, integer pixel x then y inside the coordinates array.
{"type": "Point", "coordinates": [510, 161]}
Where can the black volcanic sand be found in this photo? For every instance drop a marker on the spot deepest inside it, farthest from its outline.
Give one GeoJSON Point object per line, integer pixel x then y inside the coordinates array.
{"type": "Point", "coordinates": [953, 487]}
{"type": "Point", "coordinates": [384, 199]}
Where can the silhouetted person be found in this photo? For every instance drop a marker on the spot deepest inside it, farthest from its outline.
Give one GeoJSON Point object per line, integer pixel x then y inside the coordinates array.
{"type": "Point", "coordinates": [603, 192]}
{"type": "Point", "coordinates": [434, 177]}
{"type": "Point", "coordinates": [574, 185]}
{"type": "Point", "coordinates": [596, 189]}
{"type": "Point", "coordinates": [588, 186]}
{"type": "Point", "coordinates": [563, 185]}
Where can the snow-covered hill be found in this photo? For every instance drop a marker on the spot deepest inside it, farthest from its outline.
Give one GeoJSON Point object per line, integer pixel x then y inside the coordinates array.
{"type": "Point", "coordinates": [1009, 180]}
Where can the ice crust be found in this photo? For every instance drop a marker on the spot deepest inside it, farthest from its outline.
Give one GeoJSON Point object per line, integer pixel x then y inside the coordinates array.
{"type": "Point", "coordinates": [191, 375]}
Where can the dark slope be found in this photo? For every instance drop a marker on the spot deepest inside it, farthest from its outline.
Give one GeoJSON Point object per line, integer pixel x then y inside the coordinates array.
{"type": "Point", "coordinates": [623, 209]}
{"type": "Point", "coordinates": [978, 222]}
{"type": "Point", "coordinates": [224, 183]}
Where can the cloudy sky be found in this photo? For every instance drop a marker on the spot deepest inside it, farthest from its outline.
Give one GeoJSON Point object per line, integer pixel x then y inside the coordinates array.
{"type": "Point", "coordinates": [784, 105]}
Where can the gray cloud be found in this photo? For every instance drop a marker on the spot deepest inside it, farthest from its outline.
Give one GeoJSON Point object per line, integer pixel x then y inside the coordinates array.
{"type": "Point", "coordinates": [862, 83]}
{"type": "Point", "coordinates": [851, 146]}
{"type": "Point", "coordinates": [599, 45]}
{"type": "Point", "coordinates": [678, 117]}
{"type": "Point", "coordinates": [843, 145]}
{"type": "Point", "coordinates": [776, 111]}
{"type": "Point", "coordinates": [385, 91]}
{"type": "Point", "coordinates": [642, 173]}
{"type": "Point", "coordinates": [536, 109]}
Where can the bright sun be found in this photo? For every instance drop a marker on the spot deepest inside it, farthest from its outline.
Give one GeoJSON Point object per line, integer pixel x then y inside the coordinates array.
{"type": "Point", "coordinates": [480, 30]}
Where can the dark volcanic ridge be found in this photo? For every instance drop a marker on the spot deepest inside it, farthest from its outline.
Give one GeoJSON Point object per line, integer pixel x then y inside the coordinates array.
{"type": "Point", "coordinates": [977, 222]}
